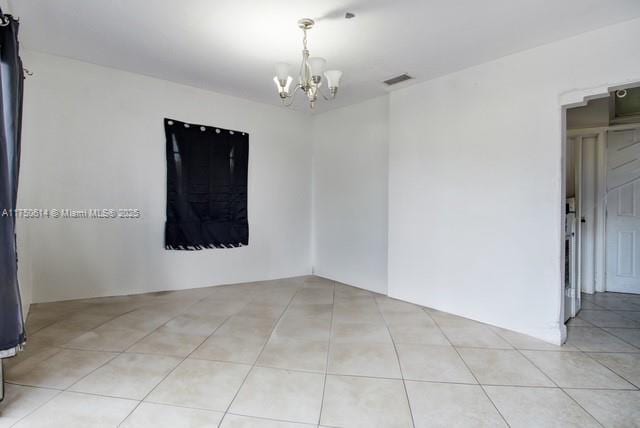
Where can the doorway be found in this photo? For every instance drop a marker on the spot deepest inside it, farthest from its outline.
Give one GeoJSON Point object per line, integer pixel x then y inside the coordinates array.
{"type": "Point", "coordinates": [602, 198]}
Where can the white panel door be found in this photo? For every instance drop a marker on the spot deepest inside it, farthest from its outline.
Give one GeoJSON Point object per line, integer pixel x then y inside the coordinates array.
{"type": "Point", "coordinates": [623, 211]}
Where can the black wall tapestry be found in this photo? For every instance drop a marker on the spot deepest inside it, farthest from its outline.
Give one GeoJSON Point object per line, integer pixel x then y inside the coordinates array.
{"type": "Point", "coordinates": [206, 187]}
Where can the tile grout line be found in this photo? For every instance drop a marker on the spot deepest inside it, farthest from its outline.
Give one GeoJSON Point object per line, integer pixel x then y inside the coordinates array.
{"type": "Point", "coordinates": [326, 365]}
{"type": "Point", "coordinates": [619, 327]}
{"type": "Point", "coordinates": [94, 328]}
{"type": "Point", "coordinates": [73, 313]}
{"type": "Point", "coordinates": [469, 369]}
{"type": "Point", "coordinates": [556, 384]}
{"type": "Point", "coordinates": [587, 354]}
{"type": "Point", "coordinates": [637, 351]}
{"type": "Point", "coordinates": [37, 407]}
{"type": "Point", "coordinates": [63, 347]}
{"type": "Point", "coordinates": [562, 388]}
{"type": "Point", "coordinates": [60, 349]}
{"type": "Point", "coordinates": [637, 386]}
{"type": "Point", "coordinates": [195, 349]}
{"type": "Point", "coordinates": [395, 348]}
{"type": "Point", "coordinates": [181, 361]}
{"type": "Point", "coordinates": [264, 345]}
{"type": "Point", "coordinates": [531, 362]}
{"type": "Point", "coordinates": [594, 326]}
{"type": "Point", "coordinates": [622, 339]}
{"type": "Point", "coordinates": [264, 418]}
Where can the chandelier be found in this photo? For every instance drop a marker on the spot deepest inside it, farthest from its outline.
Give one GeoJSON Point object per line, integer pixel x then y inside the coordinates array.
{"type": "Point", "coordinates": [310, 75]}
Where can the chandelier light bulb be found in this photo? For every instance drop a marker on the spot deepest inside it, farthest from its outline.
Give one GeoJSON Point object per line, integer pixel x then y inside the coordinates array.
{"type": "Point", "coordinates": [333, 78]}
{"type": "Point", "coordinates": [283, 90]}
{"type": "Point", "coordinates": [317, 65]}
{"type": "Point", "coordinates": [282, 71]}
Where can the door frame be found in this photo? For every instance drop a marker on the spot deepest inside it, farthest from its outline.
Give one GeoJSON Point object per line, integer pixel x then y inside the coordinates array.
{"type": "Point", "coordinates": [569, 99]}
{"type": "Point", "coordinates": [600, 135]}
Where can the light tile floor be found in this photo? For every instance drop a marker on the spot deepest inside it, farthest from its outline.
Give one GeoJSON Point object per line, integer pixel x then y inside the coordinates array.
{"type": "Point", "coordinates": [309, 352]}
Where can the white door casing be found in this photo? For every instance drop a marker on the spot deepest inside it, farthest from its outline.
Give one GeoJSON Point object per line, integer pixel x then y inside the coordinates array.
{"type": "Point", "coordinates": [586, 189]}
{"type": "Point", "coordinates": [584, 230]}
{"type": "Point", "coordinates": [572, 285]}
{"type": "Point", "coordinates": [572, 241]}
{"type": "Point", "coordinates": [623, 211]}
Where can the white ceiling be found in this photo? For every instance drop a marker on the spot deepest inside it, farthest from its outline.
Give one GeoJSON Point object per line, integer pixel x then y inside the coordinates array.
{"type": "Point", "coordinates": [230, 46]}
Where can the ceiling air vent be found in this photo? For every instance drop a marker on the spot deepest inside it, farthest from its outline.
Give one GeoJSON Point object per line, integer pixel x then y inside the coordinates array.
{"type": "Point", "coordinates": [397, 79]}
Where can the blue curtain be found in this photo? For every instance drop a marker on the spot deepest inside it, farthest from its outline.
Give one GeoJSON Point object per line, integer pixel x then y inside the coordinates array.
{"type": "Point", "coordinates": [12, 333]}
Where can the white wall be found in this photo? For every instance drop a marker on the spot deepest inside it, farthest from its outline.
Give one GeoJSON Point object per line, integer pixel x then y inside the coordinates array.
{"type": "Point", "coordinates": [475, 180]}
{"type": "Point", "coordinates": [93, 138]}
{"type": "Point", "coordinates": [350, 159]}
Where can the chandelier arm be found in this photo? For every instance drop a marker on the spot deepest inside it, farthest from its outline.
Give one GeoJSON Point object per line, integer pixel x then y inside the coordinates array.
{"type": "Point", "coordinates": [291, 97]}
{"type": "Point", "coordinates": [319, 90]}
